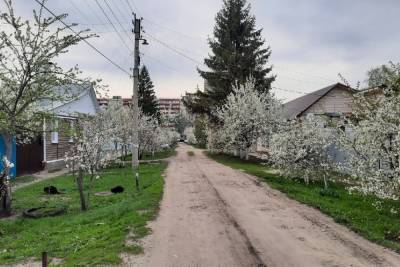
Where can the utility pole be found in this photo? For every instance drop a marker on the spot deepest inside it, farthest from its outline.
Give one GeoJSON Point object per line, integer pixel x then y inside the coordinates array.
{"type": "Point", "coordinates": [135, 99]}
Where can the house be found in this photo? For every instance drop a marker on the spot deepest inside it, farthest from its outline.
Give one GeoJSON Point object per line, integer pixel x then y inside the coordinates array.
{"type": "Point", "coordinates": [333, 101]}
{"type": "Point", "coordinates": [58, 132]}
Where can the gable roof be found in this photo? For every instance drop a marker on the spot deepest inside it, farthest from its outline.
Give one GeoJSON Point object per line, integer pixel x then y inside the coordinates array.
{"type": "Point", "coordinates": [74, 99]}
{"type": "Point", "coordinates": [296, 107]}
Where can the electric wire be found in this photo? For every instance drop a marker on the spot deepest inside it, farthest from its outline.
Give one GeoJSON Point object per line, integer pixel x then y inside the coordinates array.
{"type": "Point", "coordinates": [83, 39]}
{"type": "Point", "coordinates": [112, 24]}
{"type": "Point", "coordinates": [116, 18]}
{"type": "Point", "coordinates": [177, 51]}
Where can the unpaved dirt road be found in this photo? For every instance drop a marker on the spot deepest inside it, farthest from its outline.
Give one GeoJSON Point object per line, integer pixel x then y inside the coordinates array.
{"type": "Point", "coordinates": [212, 215]}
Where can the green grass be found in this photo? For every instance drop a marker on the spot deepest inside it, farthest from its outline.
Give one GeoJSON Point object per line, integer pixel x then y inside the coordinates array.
{"type": "Point", "coordinates": [95, 237]}
{"type": "Point", "coordinates": [166, 153]}
{"type": "Point", "coordinates": [354, 210]}
{"type": "Point", "coordinates": [22, 180]}
{"type": "Point", "coordinates": [190, 153]}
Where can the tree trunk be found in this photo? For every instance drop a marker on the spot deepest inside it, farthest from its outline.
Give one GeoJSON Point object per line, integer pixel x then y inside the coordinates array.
{"type": "Point", "coordinates": [91, 180]}
{"type": "Point", "coordinates": [325, 182]}
{"type": "Point", "coordinates": [5, 201]}
{"type": "Point", "coordinates": [242, 154]}
{"type": "Point", "coordinates": [79, 182]}
{"type": "Point", "coordinates": [246, 153]}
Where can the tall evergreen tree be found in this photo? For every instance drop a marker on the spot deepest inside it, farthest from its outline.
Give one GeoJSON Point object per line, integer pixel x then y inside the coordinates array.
{"type": "Point", "coordinates": [147, 98]}
{"type": "Point", "coordinates": [238, 53]}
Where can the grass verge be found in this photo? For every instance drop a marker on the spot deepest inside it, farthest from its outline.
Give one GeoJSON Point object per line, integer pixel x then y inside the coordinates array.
{"type": "Point", "coordinates": [95, 237]}
{"type": "Point", "coordinates": [166, 153]}
{"type": "Point", "coordinates": [20, 180]}
{"type": "Point", "coordinates": [358, 212]}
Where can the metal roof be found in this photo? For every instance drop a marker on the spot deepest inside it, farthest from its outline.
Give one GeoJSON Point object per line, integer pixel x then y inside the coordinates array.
{"type": "Point", "coordinates": [294, 108]}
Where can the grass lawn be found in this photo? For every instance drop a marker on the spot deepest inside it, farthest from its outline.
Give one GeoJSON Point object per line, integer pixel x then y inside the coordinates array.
{"type": "Point", "coordinates": [95, 237]}
{"type": "Point", "coordinates": [353, 210]}
{"type": "Point", "coordinates": [22, 180]}
{"type": "Point", "coordinates": [166, 153]}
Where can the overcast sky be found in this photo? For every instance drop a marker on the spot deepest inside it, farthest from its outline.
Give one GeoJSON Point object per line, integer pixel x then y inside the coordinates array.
{"type": "Point", "coordinates": [311, 40]}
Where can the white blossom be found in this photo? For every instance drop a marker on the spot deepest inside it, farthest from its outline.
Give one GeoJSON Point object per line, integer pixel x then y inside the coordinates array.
{"type": "Point", "coordinates": [299, 149]}
{"type": "Point", "coordinates": [246, 117]}
{"type": "Point", "coordinates": [374, 142]}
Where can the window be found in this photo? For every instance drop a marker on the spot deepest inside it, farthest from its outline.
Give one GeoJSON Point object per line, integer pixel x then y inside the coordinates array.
{"type": "Point", "coordinates": [71, 131]}
{"type": "Point", "coordinates": [54, 132]}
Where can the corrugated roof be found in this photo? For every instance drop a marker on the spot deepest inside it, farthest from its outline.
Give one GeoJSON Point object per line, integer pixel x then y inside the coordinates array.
{"type": "Point", "coordinates": [294, 108]}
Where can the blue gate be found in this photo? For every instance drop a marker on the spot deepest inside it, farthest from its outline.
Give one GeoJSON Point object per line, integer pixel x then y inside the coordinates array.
{"type": "Point", "coordinates": [13, 158]}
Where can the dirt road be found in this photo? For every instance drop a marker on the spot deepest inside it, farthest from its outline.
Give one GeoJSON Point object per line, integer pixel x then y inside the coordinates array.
{"type": "Point", "coordinates": [212, 215]}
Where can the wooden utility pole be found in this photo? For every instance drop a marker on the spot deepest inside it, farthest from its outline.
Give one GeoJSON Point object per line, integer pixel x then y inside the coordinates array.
{"type": "Point", "coordinates": [135, 99]}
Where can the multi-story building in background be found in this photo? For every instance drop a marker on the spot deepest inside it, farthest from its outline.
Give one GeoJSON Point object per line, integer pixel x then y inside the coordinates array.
{"type": "Point", "coordinates": [104, 102]}
{"type": "Point", "coordinates": [169, 106]}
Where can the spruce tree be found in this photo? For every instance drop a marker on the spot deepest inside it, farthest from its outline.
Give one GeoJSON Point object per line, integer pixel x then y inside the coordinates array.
{"type": "Point", "coordinates": [238, 53]}
{"type": "Point", "coordinates": [147, 98]}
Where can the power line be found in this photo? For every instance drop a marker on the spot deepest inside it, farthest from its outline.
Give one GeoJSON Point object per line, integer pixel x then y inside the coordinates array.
{"type": "Point", "coordinates": [190, 58]}
{"type": "Point", "coordinates": [129, 6]}
{"type": "Point", "coordinates": [172, 30]}
{"type": "Point", "coordinates": [299, 92]}
{"type": "Point", "coordinates": [78, 10]}
{"type": "Point", "coordinates": [160, 62]}
{"type": "Point", "coordinates": [307, 74]}
{"type": "Point", "coordinates": [299, 80]}
{"type": "Point", "coordinates": [157, 24]}
{"type": "Point", "coordinates": [135, 6]}
{"type": "Point", "coordinates": [112, 24]}
{"type": "Point", "coordinates": [102, 22]}
{"type": "Point", "coordinates": [173, 49]}
{"type": "Point", "coordinates": [122, 13]}
{"type": "Point", "coordinates": [116, 18]}
{"type": "Point", "coordinates": [87, 18]}
{"type": "Point", "coordinates": [83, 39]}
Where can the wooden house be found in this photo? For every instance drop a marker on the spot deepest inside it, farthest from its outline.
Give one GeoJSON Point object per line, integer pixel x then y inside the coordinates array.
{"type": "Point", "coordinates": [48, 150]}
{"type": "Point", "coordinates": [333, 101]}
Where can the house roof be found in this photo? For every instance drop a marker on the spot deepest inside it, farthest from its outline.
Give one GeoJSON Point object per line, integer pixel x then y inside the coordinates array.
{"type": "Point", "coordinates": [296, 107]}
{"type": "Point", "coordinates": [69, 100]}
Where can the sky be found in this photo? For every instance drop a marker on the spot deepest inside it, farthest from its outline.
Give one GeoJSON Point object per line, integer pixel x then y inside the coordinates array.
{"type": "Point", "coordinates": [312, 41]}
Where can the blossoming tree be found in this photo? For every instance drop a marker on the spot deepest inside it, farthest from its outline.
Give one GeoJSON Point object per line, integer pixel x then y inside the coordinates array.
{"type": "Point", "coordinates": [91, 152]}
{"type": "Point", "coordinates": [300, 149]}
{"type": "Point", "coordinates": [246, 117]}
{"type": "Point", "coordinates": [28, 72]}
{"type": "Point", "coordinates": [374, 142]}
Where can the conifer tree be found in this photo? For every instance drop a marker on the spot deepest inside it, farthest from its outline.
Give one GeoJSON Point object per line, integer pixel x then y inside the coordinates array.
{"type": "Point", "coordinates": [147, 98]}
{"type": "Point", "coordinates": [238, 53]}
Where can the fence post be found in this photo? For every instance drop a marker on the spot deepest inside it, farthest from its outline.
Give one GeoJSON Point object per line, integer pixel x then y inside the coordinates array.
{"type": "Point", "coordinates": [44, 259]}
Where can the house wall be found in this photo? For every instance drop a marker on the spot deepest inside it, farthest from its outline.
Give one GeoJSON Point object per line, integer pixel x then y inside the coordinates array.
{"type": "Point", "coordinates": [338, 100]}
{"type": "Point", "coordinates": [55, 152]}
